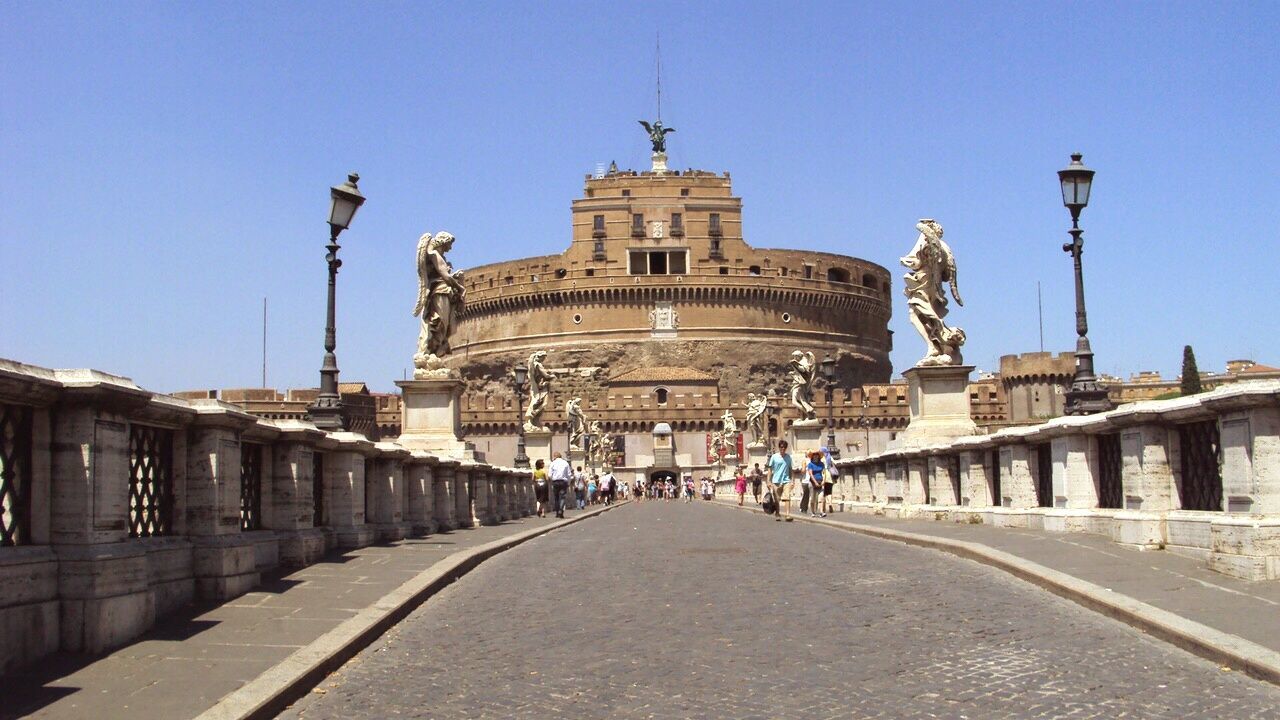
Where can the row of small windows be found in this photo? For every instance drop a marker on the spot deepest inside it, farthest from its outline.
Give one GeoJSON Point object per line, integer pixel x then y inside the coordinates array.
{"type": "Point", "coordinates": [677, 224]}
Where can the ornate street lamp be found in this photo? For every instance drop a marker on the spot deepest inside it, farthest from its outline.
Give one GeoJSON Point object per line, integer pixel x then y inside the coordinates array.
{"type": "Point", "coordinates": [1086, 395]}
{"type": "Point", "coordinates": [522, 379]}
{"type": "Point", "coordinates": [828, 367]}
{"type": "Point", "coordinates": [345, 200]}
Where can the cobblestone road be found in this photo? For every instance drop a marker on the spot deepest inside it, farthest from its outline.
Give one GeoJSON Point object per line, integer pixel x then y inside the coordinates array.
{"type": "Point", "coordinates": [673, 611]}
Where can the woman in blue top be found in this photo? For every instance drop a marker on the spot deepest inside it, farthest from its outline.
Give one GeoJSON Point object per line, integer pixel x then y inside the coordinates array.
{"type": "Point", "coordinates": [813, 474]}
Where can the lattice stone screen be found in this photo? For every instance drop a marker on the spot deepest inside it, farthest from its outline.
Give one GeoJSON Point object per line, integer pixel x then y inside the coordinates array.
{"type": "Point", "coordinates": [1201, 471]}
{"type": "Point", "coordinates": [15, 475]}
{"type": "Point", "coordinates": [150, 481]}
{"type": "Point", "coordinates": [250, 486]}
{"type": "Point", "coordinates": [1110, 472]}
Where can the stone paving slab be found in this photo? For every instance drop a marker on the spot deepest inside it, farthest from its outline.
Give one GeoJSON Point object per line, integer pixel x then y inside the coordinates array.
{"type": "Point", "coordinates": [193, 659]}
{"type": "Point", "coordinates": [689, 611]}
{"type": "Point", "coordinates": [1168, 581]}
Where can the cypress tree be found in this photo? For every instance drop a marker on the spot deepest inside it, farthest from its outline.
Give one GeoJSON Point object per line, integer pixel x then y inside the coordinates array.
{"type": "Point", "coordinates": [1190, 373]}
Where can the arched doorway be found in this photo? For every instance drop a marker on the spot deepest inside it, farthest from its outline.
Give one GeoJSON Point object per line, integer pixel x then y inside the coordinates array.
{"type": "Point", "coordinates": [658, 478]}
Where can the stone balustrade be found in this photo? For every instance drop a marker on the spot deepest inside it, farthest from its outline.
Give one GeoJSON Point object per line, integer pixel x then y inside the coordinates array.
{"type": "Point", "coordinates": [1198, 475]}
{"type": "Point", "coordinates": [121, 505]}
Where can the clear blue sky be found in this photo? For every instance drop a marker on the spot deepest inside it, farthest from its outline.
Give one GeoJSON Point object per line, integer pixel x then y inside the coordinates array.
{"type": "Point", "coordinates": [167, 164]}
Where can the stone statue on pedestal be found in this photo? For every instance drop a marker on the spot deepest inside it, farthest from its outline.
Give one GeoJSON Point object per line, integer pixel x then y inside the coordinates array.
{"type": "Point", "coordinates": [756, 406]}
{"type": "Point", "coordinates": [440, 298]}
{"type": "Point", "coordinates": [801, 371]}
{"type": "Point", "coordinates": [932, 263]}
{"type": "Point", "coordinates": [539, 388]}
{"type": "Point", "coordinates": [577, 422]}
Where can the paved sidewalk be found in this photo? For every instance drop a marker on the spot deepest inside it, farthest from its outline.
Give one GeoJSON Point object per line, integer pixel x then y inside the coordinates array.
{"type": "Point", "coordinates": [1174, 583]}
{"type": "Point", "coordinates": [191, 660]}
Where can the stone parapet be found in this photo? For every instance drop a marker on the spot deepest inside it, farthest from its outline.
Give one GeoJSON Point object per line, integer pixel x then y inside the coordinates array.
{"type": "Point", "coordinates": [132, 504]}
{"type": "Point", "coordinates": [1197, 475]}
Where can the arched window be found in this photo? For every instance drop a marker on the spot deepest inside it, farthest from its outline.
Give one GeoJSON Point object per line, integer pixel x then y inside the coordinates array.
{"type": "Point", "coordinates": [661, 395]}
{"type": "Point", "coordinates": [869, 280]}
{"type": "Point", "coordinates": [839, 275]}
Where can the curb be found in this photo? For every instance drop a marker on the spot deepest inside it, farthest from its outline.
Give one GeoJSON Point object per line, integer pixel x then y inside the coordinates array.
{"type": "Point", "coordinates": [1222, 648]}
{"type": "Point", "coordinates": [275, 689]}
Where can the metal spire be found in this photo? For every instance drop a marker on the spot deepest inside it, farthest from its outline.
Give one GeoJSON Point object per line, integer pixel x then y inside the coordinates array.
{"type": "Point", "coordinates": [659, 43]}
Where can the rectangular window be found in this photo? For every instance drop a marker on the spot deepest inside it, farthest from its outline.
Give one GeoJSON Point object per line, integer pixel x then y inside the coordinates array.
{"type": "Point", "coordinates": [677, 220]}
{"type": "Point", "coordinates": [684, 192]}
{"type": "Point", "coordinates": [626, 193]}
{"type": "Point", "coordinates": [657, 263]}
{"type": "Point", "coordinates": [715, 224]}
{"type": "Point", "coordinates": [808, 272]}
{"type": "Point", "coordinates": [637, 221]}
{"type": "Point", "coordinates": [597, 223]}
{"type": "Point", "coordinates": [639, 264]}
{"type": "Point", "coordinates": [676, 263]}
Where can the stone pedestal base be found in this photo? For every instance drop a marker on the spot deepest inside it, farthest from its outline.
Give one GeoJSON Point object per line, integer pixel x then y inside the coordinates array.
{"type": "Point", "coordinates": [225, 566]}
{"type": "Point", "coordinates": [350, 538]}
{"type": "Point", "coordinates": [806, 437]}
{"type": "Point", "coordinates": [660, 162]}
{"type": "Point", "coordinates": [939, 399]}
{"type": "Point", "coordinates": [537, 445]}
{"type": "Point", "coordinates": [432, 419]}
{"type": "Point", "coordinates": [1139, 530]}
{"type": "Point", "coordinates": [757, 454]}
{"type": "Point", "coordinates": [299, 548]}
{"type": "Point", "coordinates": [1246, 548]}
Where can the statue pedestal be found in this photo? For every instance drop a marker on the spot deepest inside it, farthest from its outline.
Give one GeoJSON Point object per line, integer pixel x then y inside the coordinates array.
{"type": "Point", "coordinates": [757, 454]}
{"type": "Point", "coordinates": [578, 458]}
{"type": "Point", "coordinates": [660, 162]}
{"type": "Point", "coordinates": [939, 399]}
{"type": "Point", "coordinates": [806, 436]}
{"type": "Point", "coordinates": [432, 419]}
{"type": "Point", "coordinates": [537, 445]}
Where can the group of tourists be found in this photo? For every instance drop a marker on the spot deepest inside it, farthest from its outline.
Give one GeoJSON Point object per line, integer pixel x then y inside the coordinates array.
{"type": "Point", "coordinates": [818, 477]}
{"type": "Point", "coordinates": [772, 488]}
{"type": "Point", "coordinates": [553, 484]}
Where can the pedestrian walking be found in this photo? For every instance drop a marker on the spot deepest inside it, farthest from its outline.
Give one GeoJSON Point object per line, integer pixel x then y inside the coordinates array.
{"type": "Point", "coordinates": [757, 479]}
{"type": "Point", "coordinates": [780, 475]}
{"type": "Point", "coordinates": [540, 486]}
{"type": "Point", "coordinates": [591, 490]}
{"type": "Point", "coordinates": [579, 492]}
{"type": "Point", "coordinates": [740, 485]}
{"type": "Point", "coordinates": [814, 472]}
{"type": "Point", "coordinates": [829, 480]}
{"type": "Point", "coordinates": [561, 473]}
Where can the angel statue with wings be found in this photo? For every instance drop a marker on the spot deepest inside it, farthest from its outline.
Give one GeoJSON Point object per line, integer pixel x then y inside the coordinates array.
{"type": "Point", "coordinates": [440, 296]}
{"type": "Point", "coordinates": [657, 135]}
{"type": "Point", "coordinates": [801, 370]}
{"type": "Point", "coordinates": [756, 407]}
{"type": "Point", "coordinates": [932, 264]}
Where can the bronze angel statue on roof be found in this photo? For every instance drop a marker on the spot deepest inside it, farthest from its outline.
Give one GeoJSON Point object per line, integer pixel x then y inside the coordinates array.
{"type": "Point", "coordinates": [932, 264]}
{"type": "Point", "coordinates": [657, 135]}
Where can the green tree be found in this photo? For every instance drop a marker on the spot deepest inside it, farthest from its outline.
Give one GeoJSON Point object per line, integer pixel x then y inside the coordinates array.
{"type": "Point", "coordinates": [1190, 373]}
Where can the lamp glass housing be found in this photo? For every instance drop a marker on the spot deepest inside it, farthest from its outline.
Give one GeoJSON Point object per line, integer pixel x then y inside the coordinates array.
{"type": "Point", "coordinates": [1077, 181]}
{"type": "Point", "coordinates": [344, 201]}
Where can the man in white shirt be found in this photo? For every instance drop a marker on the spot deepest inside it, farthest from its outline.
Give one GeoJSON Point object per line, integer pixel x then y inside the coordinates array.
{"type": "Point", "coordinates": [607, 487]}
{"type": "Point", "coordinates": [561, 473]}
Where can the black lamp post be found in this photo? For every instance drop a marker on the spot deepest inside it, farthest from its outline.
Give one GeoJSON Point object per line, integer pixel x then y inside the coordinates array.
{"type": "Point", "coordinates": [345, 200]}
{"type": "Point", "coordinates": [522, 379]}
{"type": "Point", "coordinates": [828, 367]}
{"type": "Point", "coordinates": [1086, 395]}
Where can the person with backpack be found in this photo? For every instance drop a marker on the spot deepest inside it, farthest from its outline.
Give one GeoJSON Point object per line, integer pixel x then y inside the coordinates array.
{"type": "Point", "coordinates": [780, 476]}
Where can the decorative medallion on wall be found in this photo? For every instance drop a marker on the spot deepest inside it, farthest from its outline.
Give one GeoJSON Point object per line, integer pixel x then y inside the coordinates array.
{"type": "Point", "coordinates": [663, 319]}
